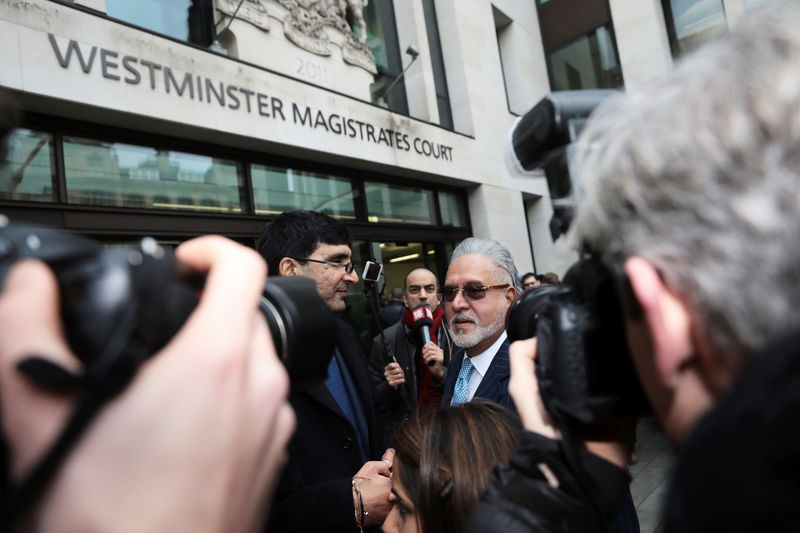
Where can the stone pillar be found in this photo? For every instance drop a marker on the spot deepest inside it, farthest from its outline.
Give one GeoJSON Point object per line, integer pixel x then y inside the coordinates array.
{"type": "Point", "coordinates": [642, 40]}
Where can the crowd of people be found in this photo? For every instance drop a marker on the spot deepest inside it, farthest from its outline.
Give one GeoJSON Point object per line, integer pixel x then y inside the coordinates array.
{"type": "Point", "coordinates": [685, 185]}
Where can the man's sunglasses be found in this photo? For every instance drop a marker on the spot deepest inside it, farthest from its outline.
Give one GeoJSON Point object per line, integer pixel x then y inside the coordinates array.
{"type": "Point", "coordinates": [471, 292]}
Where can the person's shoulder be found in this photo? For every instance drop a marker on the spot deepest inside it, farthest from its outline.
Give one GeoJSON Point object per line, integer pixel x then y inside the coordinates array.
{"type": "Point", "coordinates": [392, 330]}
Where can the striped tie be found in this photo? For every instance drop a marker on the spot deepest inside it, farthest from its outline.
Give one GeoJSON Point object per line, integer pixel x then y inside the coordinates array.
{"type": "Point", "coordinates": [461, 391]}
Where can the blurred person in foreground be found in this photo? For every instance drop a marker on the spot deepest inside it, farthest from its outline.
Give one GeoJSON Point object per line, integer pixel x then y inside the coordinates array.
{"type": "Point", "coordinates": [203, 460]}
{"type": "Point", "coordinates": [138, 466]}
{"type": "Point", "coordinates": [443, 462]}
{"type": "Point", "coordinates": [685, 185]}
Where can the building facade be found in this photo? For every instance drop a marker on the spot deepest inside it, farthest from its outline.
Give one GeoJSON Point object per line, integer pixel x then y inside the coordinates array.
{"type": "Point", "coordinates": [176, 119]}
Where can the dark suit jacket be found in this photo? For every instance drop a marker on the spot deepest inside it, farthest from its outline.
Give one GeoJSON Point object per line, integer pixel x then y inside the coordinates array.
{"type": "Point", "coordinates": [403, 343]}
{"type": "Point", "coordinates": [494, 385]}
{"type": "Point", "coordinates": [315, 493]}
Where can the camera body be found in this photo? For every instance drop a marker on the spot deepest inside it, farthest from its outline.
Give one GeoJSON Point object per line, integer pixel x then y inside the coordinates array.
{"type": "Point", "coordinates": [120, 306]}
{"type": "Point", "coordinates": [583, 366]}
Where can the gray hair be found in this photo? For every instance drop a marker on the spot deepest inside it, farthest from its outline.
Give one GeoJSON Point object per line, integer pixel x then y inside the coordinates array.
{"type": "Point", "coordinates": [496, 252]}
{"type": "Point", "coordinates": [700, 175]}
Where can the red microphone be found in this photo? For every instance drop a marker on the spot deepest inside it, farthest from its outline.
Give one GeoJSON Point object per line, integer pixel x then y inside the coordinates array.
{"type": "Point", "coordinates": [422, 318]}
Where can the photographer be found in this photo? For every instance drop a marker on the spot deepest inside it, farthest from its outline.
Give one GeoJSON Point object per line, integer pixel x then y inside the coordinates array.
{"type": "Point", "coordinates": [194, 443]}
{"type": "Point", "coordinates": [685, 186]}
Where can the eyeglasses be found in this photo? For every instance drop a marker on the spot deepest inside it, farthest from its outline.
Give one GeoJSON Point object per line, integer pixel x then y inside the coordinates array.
{"type": "Point", "coordinates": [471, 292]}
{"type": "Point", "coordinates": [415, 289]}
{"type": "Point", "coordinates": [348, 267]}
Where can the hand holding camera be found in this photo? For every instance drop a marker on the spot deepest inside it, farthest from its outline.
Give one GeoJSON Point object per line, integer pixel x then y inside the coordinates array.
{"type": "Point", "coordinates": [208, 410]}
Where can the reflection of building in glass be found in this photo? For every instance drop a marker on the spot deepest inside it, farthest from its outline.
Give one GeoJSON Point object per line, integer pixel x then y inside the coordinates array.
{"type": "Point", "coordinates": [695, 21]}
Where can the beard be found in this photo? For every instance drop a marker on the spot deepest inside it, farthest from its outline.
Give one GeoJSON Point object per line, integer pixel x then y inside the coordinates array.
{"type": "Point", "coordinates": [478, 334]}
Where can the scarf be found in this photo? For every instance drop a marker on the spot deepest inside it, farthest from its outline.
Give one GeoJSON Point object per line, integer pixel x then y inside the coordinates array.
{"type": "Point", "coordinates": [428, 395]}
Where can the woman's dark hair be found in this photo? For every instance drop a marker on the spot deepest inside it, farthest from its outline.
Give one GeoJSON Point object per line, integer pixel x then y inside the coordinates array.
{"type": "Point", "coordinates": [444, 459]}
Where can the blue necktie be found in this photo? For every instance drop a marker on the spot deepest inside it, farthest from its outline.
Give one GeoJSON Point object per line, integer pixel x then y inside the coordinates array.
{"type": "Point", "coordinates": [461, 390]}
{"type": "Point", "coordinates": [341, 387]}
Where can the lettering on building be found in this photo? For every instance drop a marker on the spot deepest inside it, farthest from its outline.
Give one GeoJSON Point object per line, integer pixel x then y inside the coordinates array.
{"type": "Point", "coordinates": [132, 70]}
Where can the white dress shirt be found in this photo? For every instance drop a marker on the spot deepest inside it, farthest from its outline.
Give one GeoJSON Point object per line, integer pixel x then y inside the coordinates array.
{"type": "Point", "coordinates": [481, 362]}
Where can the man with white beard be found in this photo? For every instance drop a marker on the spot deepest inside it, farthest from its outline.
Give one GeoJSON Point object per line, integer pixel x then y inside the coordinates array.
{"type": "Point", "coordinates": [479, 288]}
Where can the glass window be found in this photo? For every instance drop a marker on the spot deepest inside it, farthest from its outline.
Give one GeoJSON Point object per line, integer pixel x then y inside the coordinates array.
{"type": "Point", "coordinates": [437, 63]}
{"type": "Point", "coordinates": [589, 62]}
{"type": "Point", "coordinates": [390, 203]}
{"type": "Point", "coordinates": [187, 20]}
{"type": "Point", "coordinates": [108, 173]}
{"type": "Point", "coordinates": [276, 190]}
{"type": "Point", "coordinates": [452, 210]}
{"type": "Point", "coordinates": [382, 40]}
{"type": "Point", "coordinates": [749, 4]}
{"type": "Point", "coordinates": [694, 21]}
{"type": "Point", "coordinates": [30, 169]}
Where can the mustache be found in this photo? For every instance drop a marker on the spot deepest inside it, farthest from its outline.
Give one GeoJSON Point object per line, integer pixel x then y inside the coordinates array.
{"type": "Point", "coordinates": [461, 316]}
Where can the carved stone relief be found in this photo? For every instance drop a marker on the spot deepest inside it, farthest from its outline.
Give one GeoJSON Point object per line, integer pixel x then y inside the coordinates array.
{"type": "Point", "coordinates": [306, 22]}
{"type": "Point", "coordinates": [305, 25]}
{"type": "Point", "coordinates": [252, 11]}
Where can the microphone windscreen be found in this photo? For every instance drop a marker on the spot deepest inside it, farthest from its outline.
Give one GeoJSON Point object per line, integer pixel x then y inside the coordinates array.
{"type": "Point", "coordinates": [422, 316]}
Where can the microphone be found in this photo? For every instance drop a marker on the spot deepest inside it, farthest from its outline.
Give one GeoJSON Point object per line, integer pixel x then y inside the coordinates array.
{"type": "Point", "coordinates": [422, 318]}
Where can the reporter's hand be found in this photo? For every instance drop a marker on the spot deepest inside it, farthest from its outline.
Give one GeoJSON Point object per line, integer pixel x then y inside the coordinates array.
{"type": "Point", "coordinates": [433, 354]}
{"type": "Point", "coordinates": [524, 389]}
{"type": "Point", "coordinates": [193, 444]}
{"type": "Point", "coordinates": [375, 484]}
{"type": "Point", "coordinates": [394, 375]}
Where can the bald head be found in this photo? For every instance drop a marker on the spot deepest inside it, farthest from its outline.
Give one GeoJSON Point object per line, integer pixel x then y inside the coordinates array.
{"type": "Point", "coordinates": [421, 288]}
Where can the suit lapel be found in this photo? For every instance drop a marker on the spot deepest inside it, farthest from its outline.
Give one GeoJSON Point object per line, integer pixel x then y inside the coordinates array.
{"type": "Point", "coordinates": [350, 355]}
{"type": "Point", "coordinates": [496, 375]}
{"type": "Point", "coordinates": [322, 395]}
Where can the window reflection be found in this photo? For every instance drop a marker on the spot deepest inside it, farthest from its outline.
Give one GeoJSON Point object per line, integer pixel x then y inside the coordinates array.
{"type": "Point", "coordinates": [117, 174]}
{"type": "Point", "coordinates": [695, 21]}
{"type": "Point", "coordinates": [749, 4]}
{"type": "Point", "coordinates": [276, 190]}
{"type": "Point", "coordinates": [187, 20]}
{"type": "Point", "coordinates": [452, 210]}
{"type": "Point", "coordinates": [389, 203]}
{"type": "Point", "coordinates": [589, 62]}
{"type": "Point", "coordinates": [382, 40]}
{"type": "Point", "coordinates": [29, 170]}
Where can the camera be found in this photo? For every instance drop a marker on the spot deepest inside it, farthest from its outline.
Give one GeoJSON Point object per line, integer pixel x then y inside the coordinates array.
{"type": "Point", "coordinates": [583, 367]}
{"type": "Point", "coordinates": [372, 271]}
{"type": "Point", "coordinates": [120, 306]}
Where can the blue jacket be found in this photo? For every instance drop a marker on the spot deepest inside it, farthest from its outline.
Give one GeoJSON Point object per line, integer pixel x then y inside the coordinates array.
{"type": "Point", "coordinates": [494, 385]}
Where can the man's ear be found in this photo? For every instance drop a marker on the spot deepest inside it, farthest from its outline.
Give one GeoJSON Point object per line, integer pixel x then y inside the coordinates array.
{"type": "Point", "coordinates": [666, 318]}
{"type": "Point", "coordinates": [290, 267]}
{"type": "Point", "coordinates": [511, 295]}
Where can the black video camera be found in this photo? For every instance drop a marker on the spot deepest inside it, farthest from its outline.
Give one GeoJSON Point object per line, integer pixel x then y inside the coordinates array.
{"type": "Point", "coordinates": [125, 304]}
{"type": "Point", "coordinates": [584, 367]}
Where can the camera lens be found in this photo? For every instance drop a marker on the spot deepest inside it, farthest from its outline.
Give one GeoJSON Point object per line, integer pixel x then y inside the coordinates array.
{"type": "Point", "coordinates": [303, 328]}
